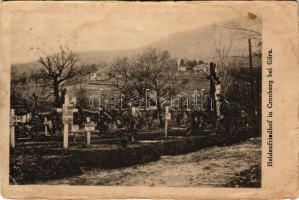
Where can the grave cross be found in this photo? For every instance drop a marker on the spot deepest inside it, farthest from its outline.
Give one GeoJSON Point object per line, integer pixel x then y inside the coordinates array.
{"type": "Point", "coordinates": [12, 128]}
{"type": "Point", "coordinates": [167, 117]}
{"type": "Point", "coordinates": [67, 119]}
{"type": "Point", "coordinates": [134, 116]}
{"type": "Point", "coordinates": [89, 126]}
{"type": "Point", "coordinates": [47, 124]}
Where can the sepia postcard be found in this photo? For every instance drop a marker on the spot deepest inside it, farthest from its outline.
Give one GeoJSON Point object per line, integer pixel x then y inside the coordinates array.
{"type": "Point", "coordinates": [149, 100]}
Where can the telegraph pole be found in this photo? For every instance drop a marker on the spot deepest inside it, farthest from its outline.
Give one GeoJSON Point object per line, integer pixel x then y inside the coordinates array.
{"type": "Point", "coordinates": [212, 78]}
{"type": "Point", "coordinates": [251, 79]}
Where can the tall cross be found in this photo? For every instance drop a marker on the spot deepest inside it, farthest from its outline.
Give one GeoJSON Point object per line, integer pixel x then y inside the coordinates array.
{"type": "Point", "coordinates": [67, 119]}
{"type": "Point", "coordinates": [89, 126]}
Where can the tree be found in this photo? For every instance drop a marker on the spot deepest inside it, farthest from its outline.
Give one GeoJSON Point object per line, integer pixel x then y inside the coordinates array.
{"type": "Point", "coordinates": [194, 63]}
{"type": "Point", "coordinates": [121, 72]}
{"type": "Point", "coordinates": [182, 63]}
{"type": "Point", "coordinates": [153, 70]}
{"type": "Point", "coordinates": [61, 69]}
{"type": "Point", "coordinates": [200, 62]}
{"type": "Point", "coordinates": [222, 56]}
{"type": "Point", "coordinates": [250, 34]}
{"type": "Point", "coordinates": [189, 65]}
{"type": "Point", "coordinates": [243, 31]}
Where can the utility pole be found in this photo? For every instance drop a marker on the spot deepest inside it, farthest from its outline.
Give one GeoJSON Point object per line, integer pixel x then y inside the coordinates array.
{"type": "Point", "coordinates": [251, 79]}
{"type": "Point", "coordinates": [213, 77]}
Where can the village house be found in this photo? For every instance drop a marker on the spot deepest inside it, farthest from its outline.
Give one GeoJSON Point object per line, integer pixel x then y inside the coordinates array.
{"type": "Point", "coordinates": [204, 68]}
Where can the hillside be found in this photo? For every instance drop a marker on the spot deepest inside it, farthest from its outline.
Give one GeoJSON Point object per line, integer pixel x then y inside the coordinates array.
{"type": "Point", "coordinates": [198, 43]}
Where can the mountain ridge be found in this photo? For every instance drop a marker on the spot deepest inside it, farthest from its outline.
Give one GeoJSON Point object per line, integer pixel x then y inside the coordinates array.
{"type": "Point", "coordinates": [199, 43]}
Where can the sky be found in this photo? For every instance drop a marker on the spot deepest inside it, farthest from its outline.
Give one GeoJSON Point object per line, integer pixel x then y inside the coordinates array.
{"type": "Point", "coordinates": [108, 27]}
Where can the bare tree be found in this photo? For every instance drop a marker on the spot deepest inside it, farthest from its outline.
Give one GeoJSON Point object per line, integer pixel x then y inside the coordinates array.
{"type": "Point", "coordinates": [252, 34]}
{"type": "Point", "coordinates": [61, 69]}
{"type": "Point", "coordinates": [153, 70]}
{"type": "Point", "coordinates": [222, 54]}
{"type": "Point", "coordinates": [243, 31]}
{"type": "Point", "coordinates": [121, 72]}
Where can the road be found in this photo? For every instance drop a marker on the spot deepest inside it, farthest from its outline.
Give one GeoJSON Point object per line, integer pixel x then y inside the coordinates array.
{"type": "Point", "coordinates": [210, 167]}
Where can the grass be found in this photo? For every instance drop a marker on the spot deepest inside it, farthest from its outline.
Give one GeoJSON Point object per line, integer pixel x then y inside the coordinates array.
{"type": "Point", "coordinates": [34, 163]}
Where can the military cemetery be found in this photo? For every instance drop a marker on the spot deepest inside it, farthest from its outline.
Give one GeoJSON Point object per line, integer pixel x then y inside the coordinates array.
{"type": "Point", "coordinates": [80, 118]}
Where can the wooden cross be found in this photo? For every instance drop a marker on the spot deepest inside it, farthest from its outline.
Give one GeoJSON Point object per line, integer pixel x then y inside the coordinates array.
{"type": "Point", "coordinates": [167, 117]}
{"type": "Point", "coordinates": [13, 122]}
{"type": "Point", "coordinates": [47, 124]}
{"type": "Point", "coordinates": [134, 115]}
{"type": "Point", "coordinates": [89, 126]}
{"type": "Point", "coordinates": [67, 118]}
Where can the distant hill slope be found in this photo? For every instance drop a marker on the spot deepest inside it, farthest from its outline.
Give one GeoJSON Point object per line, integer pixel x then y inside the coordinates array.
{"type": "Point", "coordinates": [199, 43]}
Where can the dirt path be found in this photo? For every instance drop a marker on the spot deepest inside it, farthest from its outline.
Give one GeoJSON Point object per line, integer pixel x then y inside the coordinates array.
{"type": "Point", "coordinates": [214, 166]}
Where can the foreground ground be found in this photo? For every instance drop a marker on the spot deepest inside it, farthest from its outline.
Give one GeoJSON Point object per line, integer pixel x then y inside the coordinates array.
{"type": "Point", "coordinates": [230, 166]}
